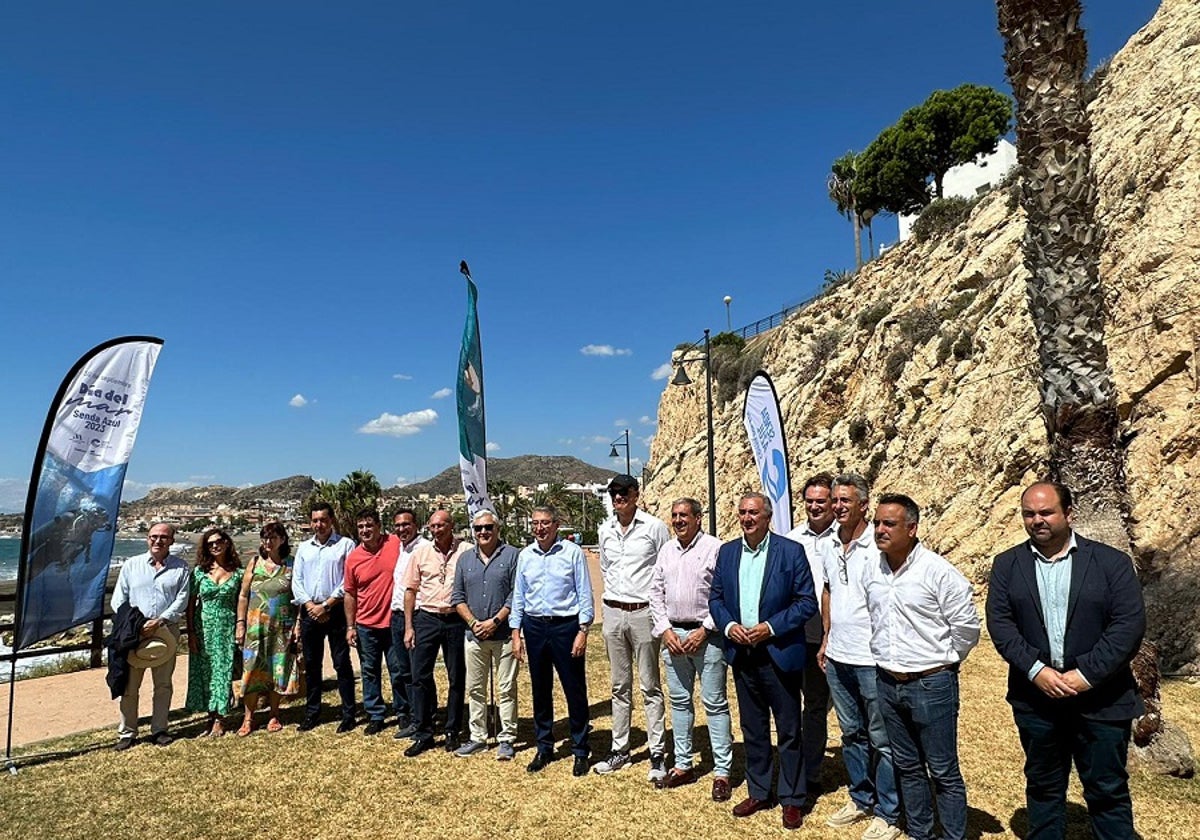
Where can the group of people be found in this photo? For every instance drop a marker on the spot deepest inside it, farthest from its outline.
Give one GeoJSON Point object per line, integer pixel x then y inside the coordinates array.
{"type": "Point", "coordinates": [850, 609]}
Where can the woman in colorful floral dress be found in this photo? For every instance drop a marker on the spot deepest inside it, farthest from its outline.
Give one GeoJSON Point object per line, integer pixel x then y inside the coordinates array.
{"type": "Point", "coordinates": [267, 629]}
{"type": "Point", "coordinates": [210, 616]}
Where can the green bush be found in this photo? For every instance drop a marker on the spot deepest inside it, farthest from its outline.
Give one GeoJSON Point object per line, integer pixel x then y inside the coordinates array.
{"type": "Point", "coordinates": [727, 339]}
{"type": "Point", "coordinates": [870, 317]}
{"type": "Point", "coordinates": [919, 325]}
{"type": "Point", "coordinates": [941, 216]}
{"type": "Point", "coordinates": [894, 366]}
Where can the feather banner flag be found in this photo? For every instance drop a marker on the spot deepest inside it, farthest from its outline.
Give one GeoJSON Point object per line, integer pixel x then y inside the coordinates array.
{"type": "Point", "coordinates": [75, 489]}
{"type": "Point", "coordinates": [763, 425]}
{"type": "Point", "coordinates": [472, 434]}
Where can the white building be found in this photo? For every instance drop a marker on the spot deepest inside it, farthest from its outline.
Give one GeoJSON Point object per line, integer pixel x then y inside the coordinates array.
{"type": "Point", "coordinates": [968, 180]}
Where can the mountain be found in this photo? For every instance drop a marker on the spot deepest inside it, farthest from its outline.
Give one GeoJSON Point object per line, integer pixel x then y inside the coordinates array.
{"type": "Point", "coordinates": [294, 488]}
{"type": "Point", "coordinates": [527, 470]}
{"type": "Point", "coordinates": [916, 373]}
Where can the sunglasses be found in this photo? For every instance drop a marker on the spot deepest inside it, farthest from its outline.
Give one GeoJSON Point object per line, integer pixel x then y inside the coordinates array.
{"type": "Point", "coordinates": [214, 543]}
{"type": "Point", "coordinates": [486, 528]}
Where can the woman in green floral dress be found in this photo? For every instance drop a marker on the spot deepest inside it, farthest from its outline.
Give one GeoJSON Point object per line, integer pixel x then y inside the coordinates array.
{"type": "Point", "coordinates": [267, 628]}
{"type": "Point", "coordinates": [212, 609]}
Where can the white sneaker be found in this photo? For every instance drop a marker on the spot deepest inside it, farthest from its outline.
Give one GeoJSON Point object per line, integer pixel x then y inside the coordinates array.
{"type": "Point", "coordinates": [658, 769]}
{"type": "Point", "coordinates": [849, 814]}
{"type": "Point", "coordinates": [880, 830]}
{"type": "Point", "coordinates": [615, 761]}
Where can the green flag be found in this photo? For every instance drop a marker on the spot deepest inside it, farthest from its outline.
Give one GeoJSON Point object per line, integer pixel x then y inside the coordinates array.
{"type": "Point", "coordinates": [472, 435]}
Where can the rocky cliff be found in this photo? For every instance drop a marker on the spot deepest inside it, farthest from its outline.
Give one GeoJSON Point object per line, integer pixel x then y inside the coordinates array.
{"type": "Point", "coordinates": [921, 372]}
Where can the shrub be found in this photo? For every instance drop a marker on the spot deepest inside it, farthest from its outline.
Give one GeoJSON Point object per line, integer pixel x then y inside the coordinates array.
{"type": "Point", "coordinates": [823, 346]}
{"type": "Point", "coordinates": [941, 216]}
{"type": "Point", "coordinates": [728, 339]}
{"type": "Point", "coordinates": [833, 279]}
{"type": "Point", "coordinates": [894, 366]}
{"type": "Point", "coordinates": [858, 430]}
{"type": "Point", "coordinates": [875, 467]}
{"type": "Point", "coordinates": [919, 325]}
{"type": "Point", "coordinates": [870, 317]}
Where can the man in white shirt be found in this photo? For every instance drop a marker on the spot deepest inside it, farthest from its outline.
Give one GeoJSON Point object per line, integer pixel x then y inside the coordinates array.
{"type": "Point", "coordinates": [845, 655]}
{"type": "Point", "coordinates": [318, 575]}
{"type": "Point", "coordinates": [819, 527]}
{"type": "Point", "coordinates": [157, 584]}
{"type": "Point", "coordinates": [404, 524]}
{"type": "Point", "coordinates": [629, 545]}
{"type": "Point", "coordinates": [923, 624]}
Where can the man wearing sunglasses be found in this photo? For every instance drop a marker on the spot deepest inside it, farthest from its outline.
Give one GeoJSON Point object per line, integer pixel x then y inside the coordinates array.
{"type": "Point", "coordinates": [629, 546]}
{"type": "Point", "coordinates": [849, 665]}
{"type": "Point", "coordinates": [482, 594]}
{"type": "Point", "coordinates": [433, 626]}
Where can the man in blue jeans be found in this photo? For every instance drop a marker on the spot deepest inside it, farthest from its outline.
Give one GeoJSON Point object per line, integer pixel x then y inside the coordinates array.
{"type": "Point", "coordinates": [923, 625]}
{"type": "Point", "coordinates": [679, 590]}
{"type": "Point", "coordinates": [845, 654]}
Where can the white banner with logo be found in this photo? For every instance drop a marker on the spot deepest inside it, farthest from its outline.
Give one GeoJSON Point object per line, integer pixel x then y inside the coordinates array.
{"type": "Point", "coordinates": [765, 429]}
{"type": "Point", "coordinates": [75, 490]}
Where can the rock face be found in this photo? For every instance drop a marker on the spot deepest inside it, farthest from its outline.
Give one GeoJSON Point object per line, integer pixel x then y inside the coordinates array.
{"type": "Point", "coordinates": [921, 372]}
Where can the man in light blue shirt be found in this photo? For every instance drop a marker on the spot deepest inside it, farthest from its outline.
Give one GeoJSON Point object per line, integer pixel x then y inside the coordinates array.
{"type": "Point", "coordinates": [552, 610]}
{"type": "Point", "coordinates": [156, 583]}
{"type": "Point", "coordinates": [318, 576]}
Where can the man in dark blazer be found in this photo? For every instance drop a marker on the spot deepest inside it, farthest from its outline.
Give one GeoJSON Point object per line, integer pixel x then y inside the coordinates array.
{"type": "Point", "coordinates": [1066, 613]}
{"type": "Point", "coordinates": [762, 594]}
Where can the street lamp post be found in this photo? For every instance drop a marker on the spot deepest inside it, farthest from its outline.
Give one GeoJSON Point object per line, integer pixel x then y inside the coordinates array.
{"type": "Point", "coordinates": [613, 452]}
{"type": "Point", "coordinates": [728, 315]}
{"type": "Point", "coordinates": [681, 378]}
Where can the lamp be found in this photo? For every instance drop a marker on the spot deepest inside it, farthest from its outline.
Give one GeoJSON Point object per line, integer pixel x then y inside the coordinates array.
{"type": "Point", "coordinates": [681, 378]}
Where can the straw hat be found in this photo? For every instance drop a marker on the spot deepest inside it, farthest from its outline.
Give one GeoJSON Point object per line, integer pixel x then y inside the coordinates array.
{"type": "Point", "coordinates": [155, 650]}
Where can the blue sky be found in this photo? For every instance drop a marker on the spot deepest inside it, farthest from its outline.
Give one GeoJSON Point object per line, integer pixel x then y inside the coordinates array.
{"type": "Point", "coordinates": [283, 191]}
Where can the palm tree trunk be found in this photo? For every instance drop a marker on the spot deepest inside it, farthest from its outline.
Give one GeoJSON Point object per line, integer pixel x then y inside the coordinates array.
{"type": "Point", "coordinates": [858, 260]}
{"type": "Point", "coordinates": [1046, 54]}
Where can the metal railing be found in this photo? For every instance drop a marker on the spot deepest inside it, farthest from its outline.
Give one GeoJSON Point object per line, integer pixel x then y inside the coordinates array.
{"type": "Point", "coordinates": [94, 645]}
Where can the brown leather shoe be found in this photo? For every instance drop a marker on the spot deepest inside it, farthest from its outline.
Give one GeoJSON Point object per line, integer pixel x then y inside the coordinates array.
{"type": "Point", "coordinates": [793, 817]}
{"type": "Point", "coordinates": [721, 790]}
{"type": "Point", "coordinates": [676, 778]}
{"type": "Point", "coordinates": [750, 805]}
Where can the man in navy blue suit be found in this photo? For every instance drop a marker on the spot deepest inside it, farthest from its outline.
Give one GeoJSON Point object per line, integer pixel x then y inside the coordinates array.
{"type": "Point", "coordinates": [1066, 613]}
{"type": "Point", "coordinates": [761, 596]}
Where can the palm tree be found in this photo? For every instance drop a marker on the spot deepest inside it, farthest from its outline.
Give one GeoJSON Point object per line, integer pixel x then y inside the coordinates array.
{"type": "Point", "coordinates": [1045, 53]}
{"type": "Point", "coordinates": [840, 185]}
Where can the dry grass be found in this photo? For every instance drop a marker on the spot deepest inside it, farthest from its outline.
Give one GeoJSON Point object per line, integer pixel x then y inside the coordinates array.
{"type": "Point", "coordinates": [319, 784]}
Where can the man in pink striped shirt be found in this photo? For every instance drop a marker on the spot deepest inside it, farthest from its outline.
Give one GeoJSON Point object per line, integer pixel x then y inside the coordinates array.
{"type": "Point", "coordinates": [679, 591]}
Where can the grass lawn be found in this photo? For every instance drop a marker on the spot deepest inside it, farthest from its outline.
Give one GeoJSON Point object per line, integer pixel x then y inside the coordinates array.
{"type": "Point", "coordinates": [323, 785]}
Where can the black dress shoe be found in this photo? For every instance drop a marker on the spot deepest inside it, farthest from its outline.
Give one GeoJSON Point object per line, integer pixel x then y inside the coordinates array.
{"type": "Point", "coordinates": [418, 747]}
{"type": "Point", "coordinates": [346, 725]}
{"type": "Point", "coordinates": [581, 766]}
{"type": "Point", "coordinates": [453, 742]}
{"type": "Point", "coordinates": [403, 721]}
{"type": "Point", "coordinates": [308, 724]}
{"type": "Point", "coordinates": [373, 727]}
{"type": "Point", "coordinates": [162, 739]}
{"type": "Point", "coordinates": [539, 762]}
{"type": "Point", "coordinates": [123, 744]}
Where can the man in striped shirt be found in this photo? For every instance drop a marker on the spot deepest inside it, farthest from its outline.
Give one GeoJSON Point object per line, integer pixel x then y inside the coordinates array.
{"type": "Point", "coordinates": [679, 589]}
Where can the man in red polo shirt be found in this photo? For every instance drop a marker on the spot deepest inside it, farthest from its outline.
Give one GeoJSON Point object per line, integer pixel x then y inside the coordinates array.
{"type": "Point", "coordinates": [368, 602]}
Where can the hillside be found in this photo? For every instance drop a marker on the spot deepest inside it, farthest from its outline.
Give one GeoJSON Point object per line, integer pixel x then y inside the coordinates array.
{"type": "Point", "coordinates": [918, 372]}
{"type": "Point", "coordinates": [527, 470]}
{"type": "Point", "coordinates": [294, 488]}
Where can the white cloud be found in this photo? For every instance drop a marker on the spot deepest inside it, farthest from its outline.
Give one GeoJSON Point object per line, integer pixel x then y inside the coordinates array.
{"type": "Point", "coordinates": [662, 371]}
{"type": "Point", "coordinates": [620, 424]}
{"type": "Point", "coordinates": [566, 441]}
{"type": "Point", "coordinates": [492, 446]}
{"type": "Point", "coordinates": [298, 401]}
{"type": "Point", "coordinates": [440, 394]}
{"type": "Point", "coordinates": [401, 376]}
{"type": "Point", "coordinates": [401, 481]}
{"type": "Point", "coordinates": [399, 425]}
{"type": "Point", "coordinates": [647, 420]}
{"type": "Point", "coordinates": [647, 440]}
{"type": "Point", "coordinates": [604, 350]}
{"type": "Point", "coordinates": [599, 439]}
